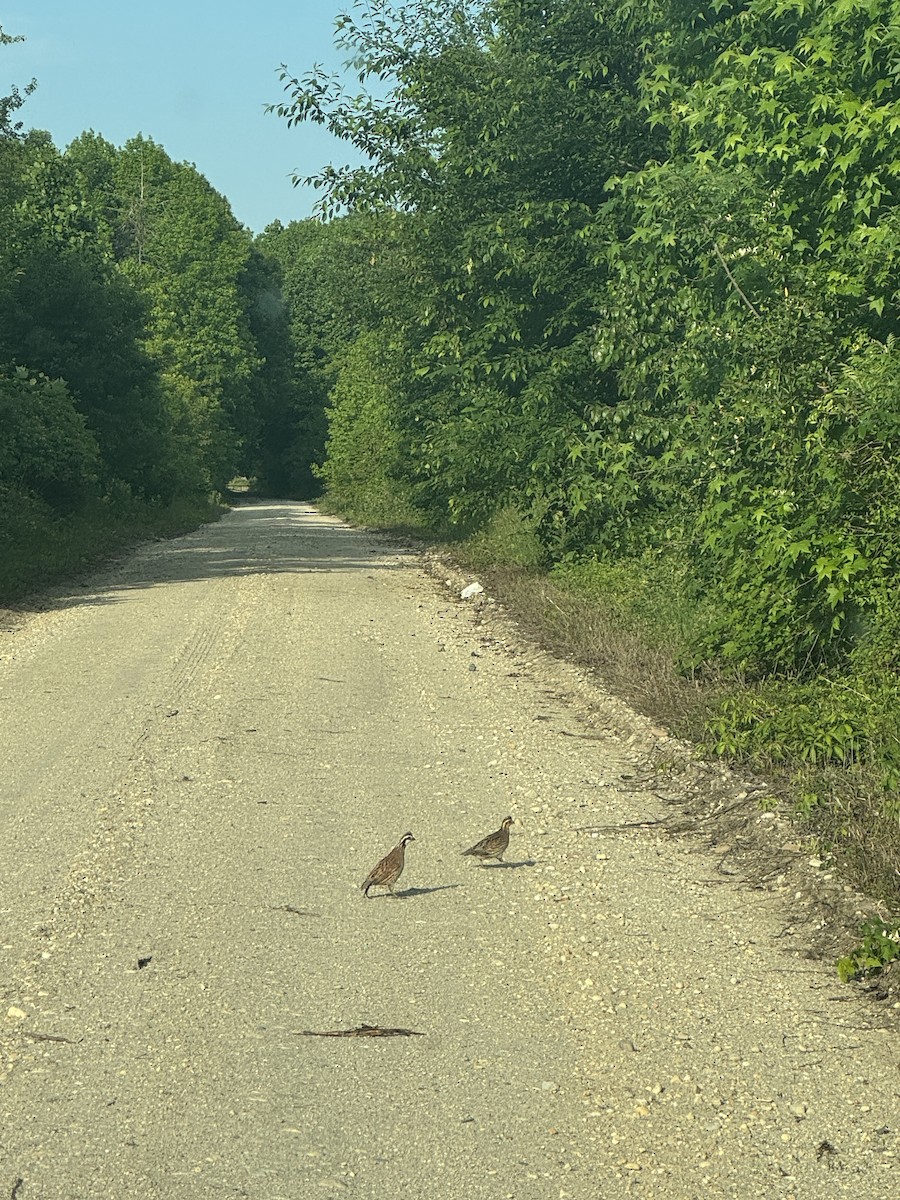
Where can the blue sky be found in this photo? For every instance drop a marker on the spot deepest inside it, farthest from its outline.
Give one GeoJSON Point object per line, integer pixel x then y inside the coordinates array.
{"type": "Point", "coordinates": [193, 75]}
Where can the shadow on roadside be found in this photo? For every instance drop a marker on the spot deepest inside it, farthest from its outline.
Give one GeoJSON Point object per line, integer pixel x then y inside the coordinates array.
{"type": "Point", "coordinates": [510, 866]}
{"type": "Point", "coordinates": [411, 893]}
{"type": "Point", "coordinates": [263, 538]}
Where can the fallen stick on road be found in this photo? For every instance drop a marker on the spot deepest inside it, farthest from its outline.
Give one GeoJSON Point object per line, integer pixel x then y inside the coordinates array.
{"type": "Point", "coordinates": [362, 1031]}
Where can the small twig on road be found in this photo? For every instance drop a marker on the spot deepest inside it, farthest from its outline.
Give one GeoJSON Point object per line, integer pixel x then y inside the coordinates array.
{"type": "Point", "coordinates": [801, 971]}
{"type": "Point", "coordinates": [823, 1149]}
{"type": "Point", "coordinates": [722, 869]}
{"type": "Point", "coordinates": [362, 1031]}
{"type": "Point", "coordinates": [46, 1037]}
{"type": "Point", "coordinates": [617, 828]}
{"type": "Point", "coordinates": [299, 912]}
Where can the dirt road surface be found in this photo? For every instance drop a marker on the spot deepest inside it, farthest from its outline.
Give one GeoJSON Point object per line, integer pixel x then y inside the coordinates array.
{"type": "Point", "coordinates": [204, 751]}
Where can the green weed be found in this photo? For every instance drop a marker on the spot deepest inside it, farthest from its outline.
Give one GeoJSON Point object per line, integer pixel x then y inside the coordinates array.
{"type": "Point", "coordinates": [880, 946]}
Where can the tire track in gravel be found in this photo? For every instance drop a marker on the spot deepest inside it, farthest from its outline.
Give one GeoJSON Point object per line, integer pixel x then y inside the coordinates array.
{"type": "Point", "coordinates": [91, 866]}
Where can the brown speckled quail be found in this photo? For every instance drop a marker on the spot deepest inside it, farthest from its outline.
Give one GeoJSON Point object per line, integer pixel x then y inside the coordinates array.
{"type": "Point", "coordinates": [386, 872]}
{"type": "Point", "coordinates": [494, 845]}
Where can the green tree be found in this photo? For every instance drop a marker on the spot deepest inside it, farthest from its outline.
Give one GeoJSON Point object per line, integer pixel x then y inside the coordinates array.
{"type": "Point", "coordinates": [47, 451]}
{"type": "Point", "coordinates": [67, 313]}
{"type": "Point", "coordinates": [364, 466]}
{"type": "Point", "coordinates": [10, 104]}
{"type": "Point", "coordinates": [499, 131]}
{"type": "Point", "coordinates": [178, 244]}
{"type": "Point", "coordinates": [287, 404]}
{"type": "Point", "coordinates": [760, 269]}
{"type": "Point", "coordinates": [335, 282]}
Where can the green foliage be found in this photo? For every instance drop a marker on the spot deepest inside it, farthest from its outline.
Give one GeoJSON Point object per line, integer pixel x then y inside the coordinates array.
{"type": "Point", "coordinates": [287, 406]}
{"type": "Point", "coordinates": [879, 947]}
{"type": "Point", "coordinates": [181, 249]}
{"type": "Point", "coordinates": [11, 103]}
{"type": "Point", "coordinates": [361, 469]}
{"type": "Point", "coordinates": [65, 312]}
{"type": "Point", "coordinates": [650, 594]}
{"type": "Point", "coordinates": [738, 328]}
{"type": "Point", "coordinates": [41, 546]}
{"type": "Point", "coordinates": [46, 451]}
{"type": "Point", "coordinates": [804, 96]}
{"type": "Point", "coordinates": [332, 278]}
{"type": "Point", "coordinates": [844, 720]}
{"type": "Point", "coordinates": [330, 281]}
{"type": "Point", "coordinates": [508, 540]}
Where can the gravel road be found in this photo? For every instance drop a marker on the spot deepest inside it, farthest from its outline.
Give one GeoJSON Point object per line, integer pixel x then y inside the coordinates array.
{"type": "Point", "coordinates": [205, 750]}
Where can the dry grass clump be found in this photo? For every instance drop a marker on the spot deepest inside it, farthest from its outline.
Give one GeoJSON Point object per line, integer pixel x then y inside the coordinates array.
{"type": "Point", "coordinates": [642, 671]}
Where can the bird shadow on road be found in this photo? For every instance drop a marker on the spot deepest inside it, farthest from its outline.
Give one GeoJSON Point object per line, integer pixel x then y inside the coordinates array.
{"type": "Point", "coordinates": [411, 893]}
{"type": "Point", "coordinates": [510, 866]}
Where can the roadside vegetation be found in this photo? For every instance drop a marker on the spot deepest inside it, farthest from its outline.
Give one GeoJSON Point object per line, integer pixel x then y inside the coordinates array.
{"type": "Point", "coordinates": [634, 352]}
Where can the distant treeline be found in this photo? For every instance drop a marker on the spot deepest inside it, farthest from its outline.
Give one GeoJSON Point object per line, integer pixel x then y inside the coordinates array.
{"type": "Point", "coordinates": [146, 353]}
{"type": "Point", "coordinates": [144, 344]}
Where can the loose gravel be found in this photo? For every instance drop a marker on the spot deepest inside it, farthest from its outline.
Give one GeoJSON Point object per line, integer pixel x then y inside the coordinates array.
{"type": "Point", "coordinates": [207, 748]}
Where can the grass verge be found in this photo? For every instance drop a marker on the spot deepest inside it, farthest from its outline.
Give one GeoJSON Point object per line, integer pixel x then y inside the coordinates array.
{"type": "Point", "coordinates": [39, 548]}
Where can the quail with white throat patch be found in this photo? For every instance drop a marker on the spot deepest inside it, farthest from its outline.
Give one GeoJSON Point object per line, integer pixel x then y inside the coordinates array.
{"type": "Point", "coordinates": [386, 872]}
{"type": "Point", "coordinates": [494, 845]}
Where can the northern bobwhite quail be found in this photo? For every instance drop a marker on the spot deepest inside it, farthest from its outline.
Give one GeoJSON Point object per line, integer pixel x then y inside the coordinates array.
{"type": "Point", "coordinates": [386, 872]}
{"type": "Point", "coordinates": [494, 845]}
